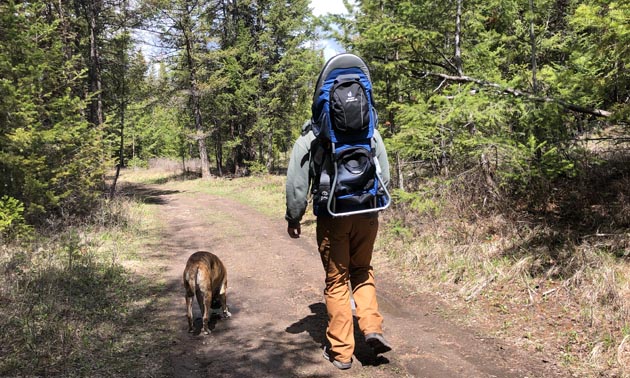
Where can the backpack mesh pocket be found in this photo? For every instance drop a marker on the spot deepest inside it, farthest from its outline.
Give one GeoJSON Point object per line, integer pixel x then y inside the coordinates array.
{"type": "Point", "coordinates": [355, 176]}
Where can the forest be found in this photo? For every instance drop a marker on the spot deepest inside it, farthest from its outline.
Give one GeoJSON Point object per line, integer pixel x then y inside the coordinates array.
{"type": "Point", "coordinates": [502, 119]}
{"type": "Point", "coordinates": [516, 95]}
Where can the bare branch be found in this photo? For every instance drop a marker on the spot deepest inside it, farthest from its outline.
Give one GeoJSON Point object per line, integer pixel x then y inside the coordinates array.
{"type": "Point", "coordinates": [516, 92]}
{"type": "Point", "coordinates": [439, 86]}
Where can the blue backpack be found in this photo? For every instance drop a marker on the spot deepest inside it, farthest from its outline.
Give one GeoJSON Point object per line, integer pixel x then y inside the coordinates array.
{"type": "Point", "coordinates": [347, 175]}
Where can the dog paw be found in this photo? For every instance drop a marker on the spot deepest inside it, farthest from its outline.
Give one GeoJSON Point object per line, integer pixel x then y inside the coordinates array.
{"type": "Point", "coordinates": [226, 315]}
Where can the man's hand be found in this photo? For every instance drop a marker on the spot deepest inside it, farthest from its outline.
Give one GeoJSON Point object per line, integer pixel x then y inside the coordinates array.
{"type": "Point", "coordinates": [294, 231]}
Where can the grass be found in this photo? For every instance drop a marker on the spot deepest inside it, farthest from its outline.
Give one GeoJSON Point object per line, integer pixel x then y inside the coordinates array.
{"type": "Point", "coordinates": [264, 193]}
{"type": "Point", "coordinates": [550, 273]}
{"type": "Point", "coordinates": [70, 307]}
{"type": "Point", "coordinates": [527, 280]}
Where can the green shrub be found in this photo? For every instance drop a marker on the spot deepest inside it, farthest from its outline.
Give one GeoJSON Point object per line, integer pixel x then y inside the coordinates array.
{"type": "Point", "coordinates": [136, 162]}
{"type": "Point", "coordinates": [256, 168]}
{"type": "Point", "coordinates": [11, 219]}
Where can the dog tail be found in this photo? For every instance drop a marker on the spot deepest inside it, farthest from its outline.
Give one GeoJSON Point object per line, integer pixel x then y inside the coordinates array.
{"type": "Point", "coordinates": [190, 280]}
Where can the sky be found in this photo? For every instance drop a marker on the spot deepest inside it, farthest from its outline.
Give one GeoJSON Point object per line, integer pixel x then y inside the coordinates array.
{"type": "Point", "coordinates": [321, 7]}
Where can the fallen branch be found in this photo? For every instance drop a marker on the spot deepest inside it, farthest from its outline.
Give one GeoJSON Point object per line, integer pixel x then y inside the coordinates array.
{"type": "Point", "coordinates": [480, 287]}
{"type": "Point", "coordinates": [516, 92]}
{"type": "Point", "coordinates": [614, 139]}
{"type": "Point", "coordinates": [603, 235]}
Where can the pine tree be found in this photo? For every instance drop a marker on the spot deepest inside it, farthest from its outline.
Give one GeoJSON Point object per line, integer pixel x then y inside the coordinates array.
{"type": "Point", "coordinates": [458, 82]}
{"type": "Point", "coordinates": [184, 28]}
{"type": "Point", "coordinates": [49, 157]}
{"type": "Point", "coordinates": [266, 69]}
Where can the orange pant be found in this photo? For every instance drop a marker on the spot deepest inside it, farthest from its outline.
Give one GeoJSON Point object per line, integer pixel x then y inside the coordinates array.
{"type": "Point", "coordinates": [345, 245]}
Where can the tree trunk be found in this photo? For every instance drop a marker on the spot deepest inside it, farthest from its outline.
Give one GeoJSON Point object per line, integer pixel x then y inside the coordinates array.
{"type": "Point", "coordinates": [491, 185]}
{"type": "Point", "coordinates": [219, 154]}
{"type": "Point", "coordinates": [121, 148]}
{"type": "Point", "coordinates": [203, 156]}
{"type": "Point", "coordinates": [123, 60]}
{"type": "Point", "coordinates": [458, 32]}
{"type": "Point", "coordinates": [195, 104]}
{"type": "Point", "coordinates": [270, 152]}
{"type": "Point", "coordinates": [443, 159]}
{"type": "Point", "coordinates": [65, 31]}
{"type": "Point", "coordinates": [532, 39]}
{"type": "Point", "coordinates": [399, 171]}
{"type": "Point", "coordinates": [96, 105]}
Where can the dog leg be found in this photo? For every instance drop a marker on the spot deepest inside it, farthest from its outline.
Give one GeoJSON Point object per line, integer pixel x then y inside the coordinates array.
{"type": "Point", "coordinates": [190, 293]}
{"type": "Point", "coordinates": [189, 313]}
{"type": "Point", "coordinates": [207, 310]}
{"type": "Point", "coordinates": [200, 297]}
{"type": "Point", "coordinates": [223, 298]}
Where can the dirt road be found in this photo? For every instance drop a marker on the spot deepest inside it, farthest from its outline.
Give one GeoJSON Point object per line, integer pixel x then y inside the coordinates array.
{"type": "Point", "coordinates": [278, 314]}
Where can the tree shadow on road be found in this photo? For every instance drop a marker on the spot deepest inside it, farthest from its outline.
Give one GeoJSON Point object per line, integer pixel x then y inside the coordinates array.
{"type": "Point", "coordinates": [146, 194]}
{"type": "Point", "coordinates": [315, 325]}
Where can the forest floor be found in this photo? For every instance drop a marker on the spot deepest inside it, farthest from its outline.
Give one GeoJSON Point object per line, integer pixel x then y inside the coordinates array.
{"type": "Point", "coordinates": [275, 296]}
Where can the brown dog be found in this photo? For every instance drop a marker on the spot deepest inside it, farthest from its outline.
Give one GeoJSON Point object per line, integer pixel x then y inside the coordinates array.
{"type": "Point", "coordinates": [205, 276]}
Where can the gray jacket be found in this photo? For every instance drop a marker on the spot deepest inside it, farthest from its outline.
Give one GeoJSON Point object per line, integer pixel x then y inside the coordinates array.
{"type": "Point", "coordinates": [298, 173]}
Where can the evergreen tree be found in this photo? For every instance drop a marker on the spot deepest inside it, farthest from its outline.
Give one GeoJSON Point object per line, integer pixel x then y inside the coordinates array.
{"type": "Point", "coordinates": [265, 67]}
{"type": "Point", "coordinates": [457, 82]}
{"type": "Point", "coordinates": [290, 66]}
{"type": "Point", "coordinates": [184, 27]}
{"type": "Point", "coordinates": [49, 157]}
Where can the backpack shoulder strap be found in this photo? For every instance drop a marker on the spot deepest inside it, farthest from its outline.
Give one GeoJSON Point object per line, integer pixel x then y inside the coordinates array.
{"type": "Point", "coordinates": [307, 127]}
{"type": "Point", "coordinates": [318, 152]}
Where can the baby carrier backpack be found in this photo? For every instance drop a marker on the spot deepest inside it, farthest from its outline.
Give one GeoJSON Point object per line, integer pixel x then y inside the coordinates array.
{"type": "Point", "coordinates": [347, 175]}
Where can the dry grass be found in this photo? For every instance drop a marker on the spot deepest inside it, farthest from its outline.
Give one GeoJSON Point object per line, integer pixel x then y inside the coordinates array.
{"type": "Point", "coordinates": [553, 279]}
{"type": "Point", "coordinates": [581, 319]}
{"type": "Point", "coordinates": [69, 306]}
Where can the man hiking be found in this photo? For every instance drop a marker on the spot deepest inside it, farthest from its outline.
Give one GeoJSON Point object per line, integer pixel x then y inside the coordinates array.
{"type": "Point", "coordinates": [345, 244]}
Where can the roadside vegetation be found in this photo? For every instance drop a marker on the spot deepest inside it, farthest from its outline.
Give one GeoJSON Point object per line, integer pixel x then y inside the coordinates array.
{"type": "Point", "coordinates": [79, 297]}
{"type": "Point", "coordinates": [550, 275]}
{"type": "Point", "coordinates": [553, 280]}
{"type": "Point", "coordinates": [72, 302]}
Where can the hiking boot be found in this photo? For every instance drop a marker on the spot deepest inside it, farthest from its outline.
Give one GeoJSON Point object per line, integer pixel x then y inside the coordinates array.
{"type": "Point", "coordinates": [338, 364]}
{"type": "Point", "coordinates": [378, 343]}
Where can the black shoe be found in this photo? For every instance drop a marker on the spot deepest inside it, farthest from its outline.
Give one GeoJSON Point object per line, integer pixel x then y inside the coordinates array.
{"type": "Point", "coordinates": [338, 364]}
{"type": "Point", "coordinates": [378, 343]}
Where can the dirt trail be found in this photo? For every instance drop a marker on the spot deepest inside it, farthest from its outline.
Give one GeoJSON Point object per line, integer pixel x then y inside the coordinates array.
{"type": "Point", "coordinates": [278, 314]}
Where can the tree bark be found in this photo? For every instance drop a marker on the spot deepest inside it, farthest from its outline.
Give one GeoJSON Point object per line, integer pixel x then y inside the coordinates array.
{"type": "Point", "coordinates": [532, 39]}
{"type": "Point", "coordinates": [399, 171]}
{"type": "Point", "coordinates": [123, 109]}
{"type": "Point", "coordinates": [487, 174]}
{"type": "Point", "coordinates": [219, 153]}
{"type": "Point", "coordinates": [96, 104]}
{"type": "Point", "coordinates": [270, 159]}
{"type": "Point", "coordinates": [195, 98]}
{"type": "Point", "coordinates": [458, 32]}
